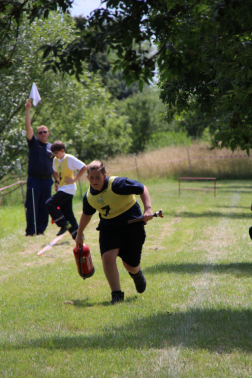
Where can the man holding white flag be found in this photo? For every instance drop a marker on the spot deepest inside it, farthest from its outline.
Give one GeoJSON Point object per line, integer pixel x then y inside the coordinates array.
{"type": "Point", "coordinates": [40, 172]}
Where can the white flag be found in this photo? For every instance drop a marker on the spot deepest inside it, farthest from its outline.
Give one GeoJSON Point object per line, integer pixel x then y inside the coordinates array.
{"type": "Point", "coordinates": [35, 95]}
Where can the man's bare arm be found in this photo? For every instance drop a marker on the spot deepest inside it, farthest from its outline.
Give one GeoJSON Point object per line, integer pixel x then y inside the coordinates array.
{"type": "Point", "coordinates": [29, 130]}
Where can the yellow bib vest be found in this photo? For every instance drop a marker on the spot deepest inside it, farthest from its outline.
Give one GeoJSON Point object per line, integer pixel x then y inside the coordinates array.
{"type": "Point", "coordinates": [63, 170]}
{"type": "Point", "coordinates": [110, 204]}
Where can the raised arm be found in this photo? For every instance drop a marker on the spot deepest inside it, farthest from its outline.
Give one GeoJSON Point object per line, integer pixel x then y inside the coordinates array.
{"type": "Point", "coordinates": [29, 130]}
{"type": "Point", "coordinates": [145, 197]}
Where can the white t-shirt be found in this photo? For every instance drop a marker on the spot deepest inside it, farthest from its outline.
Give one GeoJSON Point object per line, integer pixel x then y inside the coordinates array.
{"type": "Point", "coordinates": [73, 163]}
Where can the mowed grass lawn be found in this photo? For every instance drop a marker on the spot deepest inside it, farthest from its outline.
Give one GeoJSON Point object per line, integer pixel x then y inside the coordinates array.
{"type": "Point", "coordinates": [194, 319]}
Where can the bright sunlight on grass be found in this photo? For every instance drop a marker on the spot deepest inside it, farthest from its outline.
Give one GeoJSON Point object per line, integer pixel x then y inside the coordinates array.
{"type": "Point", "coordinates": [193, 320]}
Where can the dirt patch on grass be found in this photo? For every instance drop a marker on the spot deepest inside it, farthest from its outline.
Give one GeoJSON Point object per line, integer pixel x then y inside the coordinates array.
{"type": "Point", "coordinates": [218, 238]}
{"type": "Point", "coordinates": [168, 229]}
{"type": "Point", "coordinates": [176, 220]}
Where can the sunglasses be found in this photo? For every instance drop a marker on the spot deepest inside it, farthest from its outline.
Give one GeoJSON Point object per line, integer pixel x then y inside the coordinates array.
{"type": "Point", "coordinates": [42, 132]}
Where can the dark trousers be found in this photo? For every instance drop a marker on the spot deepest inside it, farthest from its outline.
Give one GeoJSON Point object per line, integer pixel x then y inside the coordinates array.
{"type": "Point", "coordinates": [42, 191]}
{"type": "Point", "coordinates": [65, 214]}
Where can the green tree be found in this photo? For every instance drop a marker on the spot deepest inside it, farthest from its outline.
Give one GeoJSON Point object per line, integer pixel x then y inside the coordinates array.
{"type": "Point", "coordinates": [85, 118]}
{"type": "Point", "coordinates": [16, 82]}
{"type": "Point", "coordinates": [102, 63]}
{"type": "Point", "coordinates": [12, 14]}
{"type": "Point", "coordinates": [204, 53]}
{"type": "Point", "coordinates": [194, 123]}
{"type": "Point", "coordinates": [143, 111]}
{"type": "Point", "coordinates": [72, 110]}
{"type": "Point", "coordinates": [114, 82]}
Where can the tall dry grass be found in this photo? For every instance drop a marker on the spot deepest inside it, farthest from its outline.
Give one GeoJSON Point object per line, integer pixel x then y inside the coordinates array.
{"type": "Point", "coordinates": [167, 162]}
{"type": "Point", "coordinates": [173, 162]}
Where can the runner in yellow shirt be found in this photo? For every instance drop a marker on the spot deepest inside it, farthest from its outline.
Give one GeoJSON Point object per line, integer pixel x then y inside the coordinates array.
{"type": "Point", "coordinates": [114, 198]}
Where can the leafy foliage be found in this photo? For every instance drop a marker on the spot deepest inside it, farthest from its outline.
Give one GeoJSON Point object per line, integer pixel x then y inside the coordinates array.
{"type": "Point", "coordinates": [144, 112]}
{"type": "Point", "coordinates": [195, 123]}
{"type": "Point", "coordinates": [102, 63]}
{"type": "Point", "coordinates": [12, 14]}
{"type": "Point", "coordinates": [79, 113]}
{"type": "Point", "coordinates": [85, 119]}
{"type": "Point", "coordinates": [204, 52]}
{"type": "Point", "coordinates": [15, 85]}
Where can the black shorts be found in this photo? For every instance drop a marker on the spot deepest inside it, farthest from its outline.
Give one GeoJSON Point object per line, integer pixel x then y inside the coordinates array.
{"type": "Point", "coordinates": [128, 239]}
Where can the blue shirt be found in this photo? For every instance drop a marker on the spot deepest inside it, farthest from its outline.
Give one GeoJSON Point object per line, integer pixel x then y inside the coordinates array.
{"type": "Point", "coordinates": [40, 159]}
{"type": "Point", "coordinates": [121, 186]}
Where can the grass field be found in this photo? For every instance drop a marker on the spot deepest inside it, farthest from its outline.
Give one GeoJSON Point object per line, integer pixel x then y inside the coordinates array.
{"type": "Point", "coordinates": [194, 319]}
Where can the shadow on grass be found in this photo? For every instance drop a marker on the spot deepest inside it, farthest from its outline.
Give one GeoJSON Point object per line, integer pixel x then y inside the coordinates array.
{"type": "Point", "coordinates": [214, 214]}
{"type": "Point", "coordinates": [235, 187]}
{"type": "Point", "coordinates": [227, 190]}
{"type": "Point", "coordinates": [237, 269]}
{"type": "Point", "coordinates": [234, 207]}
{"type": "Point", "coordinates": [61, 243]}
{"type": "Point", "coordinates": [221, 331]}
{"type": "Point", "coordinates": [67, 242]}
{"type": "Point", "coordinates": [86, 303]}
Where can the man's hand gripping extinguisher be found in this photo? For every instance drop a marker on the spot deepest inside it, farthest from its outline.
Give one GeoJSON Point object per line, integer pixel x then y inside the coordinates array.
{"type": "Point", "coordinates": [84, 261]}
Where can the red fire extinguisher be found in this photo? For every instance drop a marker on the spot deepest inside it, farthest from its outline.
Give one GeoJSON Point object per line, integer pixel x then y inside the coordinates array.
{"type": "Point", "coordinates": [84, 261]}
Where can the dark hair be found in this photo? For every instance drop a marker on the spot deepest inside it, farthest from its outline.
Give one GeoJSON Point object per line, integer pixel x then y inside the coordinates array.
{"type": "Point", "coordinates": [57, 146]}
{"type": "Point", "coordinates": [96, 165]}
